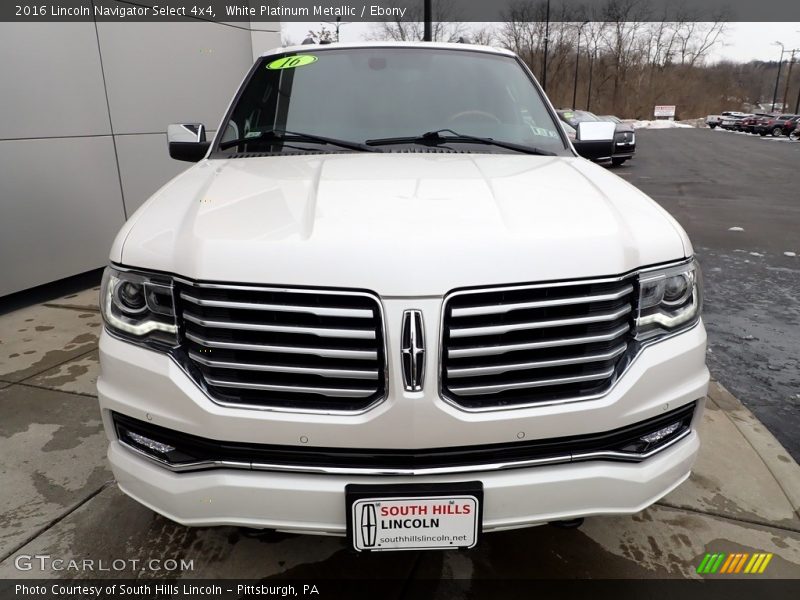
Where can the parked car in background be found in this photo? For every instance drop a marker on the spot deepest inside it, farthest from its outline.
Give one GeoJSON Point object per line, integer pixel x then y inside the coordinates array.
{"type": "Point", "coordinates": [624, 135]}
{"type": "Point", "coordinates": [791, 126]}
{"type": "Point", "coordinates": [624, 139]}
{"type": "Point", "coordinates": [749, 123]}
{"type": "Point", "coordinates": [713, 120]}
{"type": "Point", "coordinates": [733, 122]}
{"type": "Point", "coordinates": [772, 125]}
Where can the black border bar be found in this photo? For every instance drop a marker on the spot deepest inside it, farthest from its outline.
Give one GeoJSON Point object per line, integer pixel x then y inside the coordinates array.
{"type": "Point", "coordinates": [254, 11]}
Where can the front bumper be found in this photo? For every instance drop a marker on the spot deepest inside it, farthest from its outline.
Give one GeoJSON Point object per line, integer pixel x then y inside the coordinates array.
{"type": "Point", "coordinates": [303, 503]}
{"type": "Point", "coordinates": [149, 386]}
{"type": "Point", "coordinates": [624, 150]}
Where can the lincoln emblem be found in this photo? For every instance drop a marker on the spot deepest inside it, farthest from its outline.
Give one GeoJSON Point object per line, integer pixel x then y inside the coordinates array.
{"type": "Point", "coordinates": [413, 347]}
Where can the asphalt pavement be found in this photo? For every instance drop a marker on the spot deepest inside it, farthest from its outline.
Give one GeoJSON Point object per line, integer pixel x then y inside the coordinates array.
{"type": "Point", "coordinates": [738, 197]}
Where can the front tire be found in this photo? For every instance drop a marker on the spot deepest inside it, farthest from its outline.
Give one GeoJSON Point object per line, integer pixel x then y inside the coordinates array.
{"type": "Point", "coordinates": [618, 161]}
{"type": "Point", "coordinates": [712, 125]}
{"type": "Point", "coordinates": [777, 132]}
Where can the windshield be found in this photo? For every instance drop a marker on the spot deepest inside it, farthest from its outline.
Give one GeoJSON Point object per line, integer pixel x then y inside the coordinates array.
{"type": "Point", "coordinates": [362, 94]}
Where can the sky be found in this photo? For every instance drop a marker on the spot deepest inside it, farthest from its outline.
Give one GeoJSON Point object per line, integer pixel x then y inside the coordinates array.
{"type": "Point", "coordinates": [742, 42]}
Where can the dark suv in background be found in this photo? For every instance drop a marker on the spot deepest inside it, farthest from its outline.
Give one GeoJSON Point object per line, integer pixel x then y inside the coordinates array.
{"type": "Point", "coordinates": [624, 135]}
{"type": "Point", "coordinates": [772, 125]}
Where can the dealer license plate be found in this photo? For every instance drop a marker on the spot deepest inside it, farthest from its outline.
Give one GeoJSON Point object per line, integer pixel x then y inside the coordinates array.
{"type": "Point", "coordinates": [414, 517]}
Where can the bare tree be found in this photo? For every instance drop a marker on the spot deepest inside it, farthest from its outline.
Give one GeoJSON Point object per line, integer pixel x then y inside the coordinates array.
{"type": "Point", "coordinates": [630, 58]}
{"type": "Point", "coordinates": [483, 36]}
{"type": "Point", "coordinates": [446, 27]}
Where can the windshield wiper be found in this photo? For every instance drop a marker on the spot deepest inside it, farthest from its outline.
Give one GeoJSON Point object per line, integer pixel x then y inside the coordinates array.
{"type": "Point", "coordinates": [284, 135]}
{"type": "Point", "coordinates": [434, 138]}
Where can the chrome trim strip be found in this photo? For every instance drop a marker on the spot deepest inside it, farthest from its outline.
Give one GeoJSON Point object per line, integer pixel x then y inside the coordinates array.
{"type": "Point", "coordinates": [322, 372]}
{"type": "Point", "coordinates": [503, 348]}
{"type": "Point", "coordinates": [264, 408]}
{"type": "Point", "coordinates": [460, 332]}
{"type": "Point", "coordinates": [320, 311]}
{"type": "Point", "coordinates": [326, 332]}
{"type": "Point", "coordinates": [324, 352]}
{"type": "Point", "coordinates": [455, 373]}
{"type": "Point", "coordinates": [413, 472]}
{"type": "Point", "coordinates": [321, 470]}
{"type": "Point", "coordinates": [298, 389]}
{"type": "Point", "coordinates": [522, 385]}
{"type": "Point", "coordinates": [496, 309]}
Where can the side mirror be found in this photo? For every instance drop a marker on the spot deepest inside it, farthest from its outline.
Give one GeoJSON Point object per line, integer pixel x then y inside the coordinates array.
{"type": "Point", "coordinates": [595, 140]}
{"type": "Point", "coordinates": [187, 141]}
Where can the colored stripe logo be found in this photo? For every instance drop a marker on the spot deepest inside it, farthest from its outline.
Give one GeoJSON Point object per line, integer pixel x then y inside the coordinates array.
{"type": "Point", "coordinates": [741, 562]}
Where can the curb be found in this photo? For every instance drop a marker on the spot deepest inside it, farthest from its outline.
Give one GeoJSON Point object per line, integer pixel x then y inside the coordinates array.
{"type": "Point", "coordinates": [777, 460]}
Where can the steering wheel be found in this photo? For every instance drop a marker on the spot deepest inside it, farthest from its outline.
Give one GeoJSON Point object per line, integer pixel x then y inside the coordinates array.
{"type": "Point", "coordinates": [486, 116]}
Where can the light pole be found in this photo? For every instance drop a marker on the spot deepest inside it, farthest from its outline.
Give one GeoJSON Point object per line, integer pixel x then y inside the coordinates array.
{"type": "Point", "coordinates": [591, 66]}
{"type": "Point", "coordinates": [577, 61]}
{"type": "Point", "coordinates": [427, 35]}
{"type": "Point", "coordinates": [788, 79]}
{"type": "Point", "coordinates": [778, 78]}
{"type": "Point", "coordinates": [338, 23]}
{"type": "Point", "coordinates": [797, 104]}
{"type": "Point", "coordinates": [546, 40]}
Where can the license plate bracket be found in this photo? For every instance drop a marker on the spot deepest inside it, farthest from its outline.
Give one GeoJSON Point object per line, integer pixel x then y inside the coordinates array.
{"type": "Point", "coordinates": [417, 516]}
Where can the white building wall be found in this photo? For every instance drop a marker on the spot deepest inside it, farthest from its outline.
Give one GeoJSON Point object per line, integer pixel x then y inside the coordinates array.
{"type": "Point", "coordinates": [83, 112]}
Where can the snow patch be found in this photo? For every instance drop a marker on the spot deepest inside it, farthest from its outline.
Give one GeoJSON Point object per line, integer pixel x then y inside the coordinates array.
{"type": "Point", "coordinates": [790, 253]}
{"type": "Point", "coordinates": [660, 124]}
{"type": "Point", "coordinates": [735, 228]}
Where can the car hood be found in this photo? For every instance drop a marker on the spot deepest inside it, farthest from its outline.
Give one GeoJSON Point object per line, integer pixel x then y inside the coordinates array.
{"type": "Point", "coordinates": [398, 223]}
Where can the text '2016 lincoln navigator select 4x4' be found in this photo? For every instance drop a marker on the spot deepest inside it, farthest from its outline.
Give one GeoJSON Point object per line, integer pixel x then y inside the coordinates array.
{"type": "Point", "coordinates": [390, 301]}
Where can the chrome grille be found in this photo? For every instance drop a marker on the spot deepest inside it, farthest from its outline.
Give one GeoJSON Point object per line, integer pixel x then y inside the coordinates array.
{"type": "Point", "coordinates": [283, 348]}
{"type": "Point", "coordinates": [514, 346]}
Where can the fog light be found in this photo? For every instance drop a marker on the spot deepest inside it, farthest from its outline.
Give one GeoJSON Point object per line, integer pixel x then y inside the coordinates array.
{"type": "Point", "coordinates": [150, 444]}
{"type": "Point", "coordinates": [664, 432]}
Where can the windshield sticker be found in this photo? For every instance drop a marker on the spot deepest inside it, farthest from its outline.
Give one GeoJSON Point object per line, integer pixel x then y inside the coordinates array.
{"type": "Point", "coordinates": [292, 62]}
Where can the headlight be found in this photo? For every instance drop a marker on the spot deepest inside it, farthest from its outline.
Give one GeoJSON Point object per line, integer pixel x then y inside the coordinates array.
{"type": "Point", "coordinates": [139, 306]}
{"type": "Point", "coordinates": [669, 299]}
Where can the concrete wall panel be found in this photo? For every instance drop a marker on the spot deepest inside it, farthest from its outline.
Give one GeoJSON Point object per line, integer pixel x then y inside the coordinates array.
{"type": "Point", "coordinates": [61, 208]}
{"type": "Point", "coordinates": [51, 81]}
{"type": "Point", "coordinates": [162, 73]}
{"type": "Point", "coordinates": [60, 172]}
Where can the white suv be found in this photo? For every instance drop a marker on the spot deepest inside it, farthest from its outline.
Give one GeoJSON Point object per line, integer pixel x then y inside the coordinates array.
{"type": "Point", "coordinates": [391, 302]}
